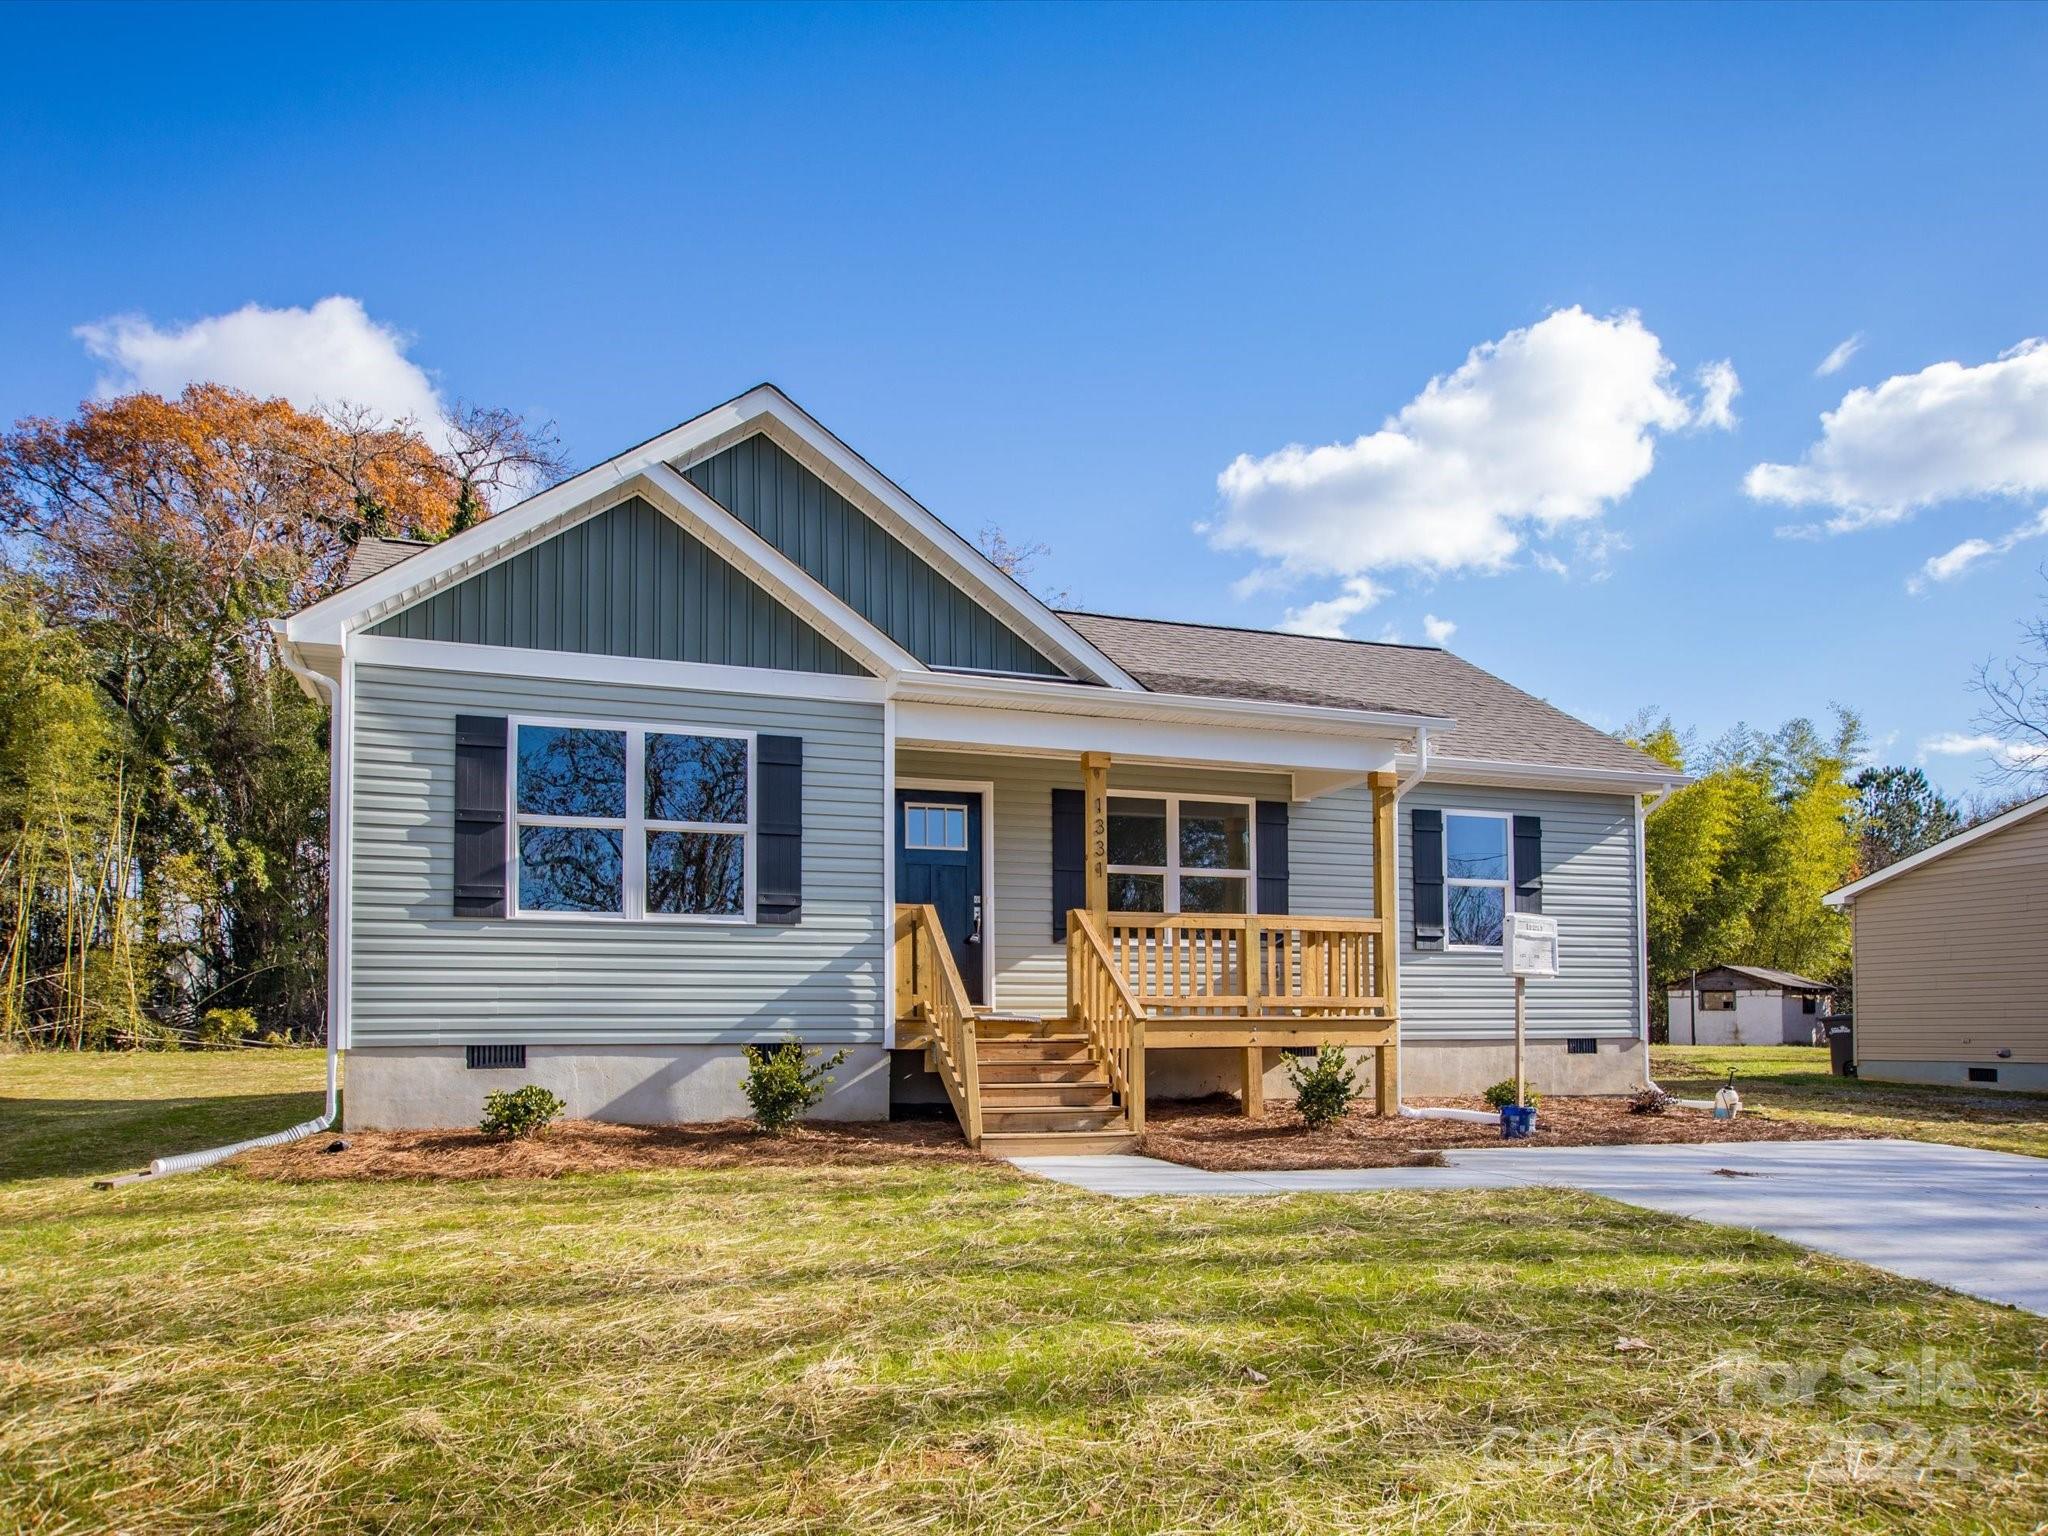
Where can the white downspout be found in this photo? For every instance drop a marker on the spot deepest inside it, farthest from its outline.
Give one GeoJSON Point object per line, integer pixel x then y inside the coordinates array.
{"type": "Point", "coordinates": [1643, 814]}
{"type": "Point", "coordinates": [337, 896]}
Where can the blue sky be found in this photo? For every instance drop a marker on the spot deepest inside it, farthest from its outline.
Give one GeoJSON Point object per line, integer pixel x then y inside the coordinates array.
{"type": "Point", "coordinates": [1059, 269]}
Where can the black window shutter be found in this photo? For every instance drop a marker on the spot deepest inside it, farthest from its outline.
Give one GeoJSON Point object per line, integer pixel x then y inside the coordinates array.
{"type": "Point", "coordinates": [1528, 863]}
{"type": "Point", "coordinates": [480, 846]}
{"type": "Point", "coordinates": [1069, 856]}
{"type": "Point", "coordinates": [1426, 876]}
{"type": "Point", "coordinates": [1272, 856]}
{"type": "Point", "coordinates": [779, 830]}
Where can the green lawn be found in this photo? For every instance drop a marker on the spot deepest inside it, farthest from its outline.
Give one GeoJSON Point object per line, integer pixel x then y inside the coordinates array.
{"type": "Point", "coordinates": [1793, 1081]}
{"type": "Point", "coordinates": [931, 1348]}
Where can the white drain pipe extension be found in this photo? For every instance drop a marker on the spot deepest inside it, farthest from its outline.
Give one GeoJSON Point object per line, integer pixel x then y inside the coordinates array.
{"type": "Point", "coordinates": [190, 1162]}
{"type": "Point", "coordinates": [1473, 1116]}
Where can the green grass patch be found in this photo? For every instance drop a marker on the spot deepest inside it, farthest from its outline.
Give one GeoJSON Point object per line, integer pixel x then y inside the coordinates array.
{"type": "Point", "coordinates": [946, 1348]}
{"type": "Point", "coordinates": [1793, 1081]}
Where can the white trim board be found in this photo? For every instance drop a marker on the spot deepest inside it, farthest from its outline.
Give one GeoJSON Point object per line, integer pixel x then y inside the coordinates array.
{"type": "Point", "coordinates": [588, 667]}
{"type": "Point", "coordinates": [2019, 813]}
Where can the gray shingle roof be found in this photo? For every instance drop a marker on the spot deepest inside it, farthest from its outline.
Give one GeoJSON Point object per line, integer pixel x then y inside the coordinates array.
{"type": "Point", "coordinates": [372, 557]}
{"type": "Point", "coordinates": [1495, 720]}
{"type": "Point", "coordinates": [1784, 981]}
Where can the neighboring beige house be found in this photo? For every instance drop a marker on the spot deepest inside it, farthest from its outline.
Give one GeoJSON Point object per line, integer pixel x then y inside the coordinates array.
{"type": "Point", "coordinates": [1747, 1005]}
{"type": "Point", "coordinates": [1952, 958]}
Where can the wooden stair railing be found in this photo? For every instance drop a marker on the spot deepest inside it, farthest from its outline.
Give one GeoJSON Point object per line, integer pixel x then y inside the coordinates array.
{"type": "Point", "coordinates": [1104, 1007]}
{"type": "Point", "coordinates": [1227, 965]}
{"type": "Point", "coordinates": [929, 988]}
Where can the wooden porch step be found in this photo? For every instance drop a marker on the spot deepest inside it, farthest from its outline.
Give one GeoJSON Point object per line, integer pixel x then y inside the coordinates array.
{"type": "Point", "coordinates": [1047, 1117]}
{"type": "Point", "coordinates": [1064, 1070]}
{"type": "Point", "coordinates": [1034, 1048]}
{"type": "Point", "coordinates": [1024, 1095]}
{"type": "Point", "coordinates": [1058, 1144]}
{"type": "Point", "coordinates": [1018, 1026]}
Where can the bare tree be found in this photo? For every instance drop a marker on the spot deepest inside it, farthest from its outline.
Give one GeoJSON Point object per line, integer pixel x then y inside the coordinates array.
{"type": "Point", "coordinates": [493, 454]}
{"type": "Point", "coordinates": [2015, 707]}
{"type": "Point", "coordinates": [1019, 561]}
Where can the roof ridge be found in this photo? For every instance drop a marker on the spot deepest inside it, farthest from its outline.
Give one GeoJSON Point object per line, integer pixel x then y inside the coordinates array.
{"type": "Point", "coordinates": [1248, 629]}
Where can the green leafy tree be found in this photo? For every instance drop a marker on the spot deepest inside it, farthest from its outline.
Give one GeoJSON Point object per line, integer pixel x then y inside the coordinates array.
{"type": "Point", "coordinates": [1899, 813]}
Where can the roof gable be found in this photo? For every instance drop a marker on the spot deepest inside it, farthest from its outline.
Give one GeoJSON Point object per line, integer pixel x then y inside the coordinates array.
{"type": "Point", "coordinates": [628, 581]}
{"type": "Point", "coordinates": [1963, 839]}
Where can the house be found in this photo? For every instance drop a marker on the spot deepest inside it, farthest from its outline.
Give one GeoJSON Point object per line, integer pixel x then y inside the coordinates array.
{"type": "Point", "coordinates": [728, 739]}
{"type": "Point", "coordinates": [1747, 1005]}
{"type": "Point", "coordinates": [1951, 957]}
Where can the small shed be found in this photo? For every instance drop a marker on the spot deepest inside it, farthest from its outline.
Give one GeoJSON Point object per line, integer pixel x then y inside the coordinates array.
{"type": "Point", "coordinates": [1748, 1005]}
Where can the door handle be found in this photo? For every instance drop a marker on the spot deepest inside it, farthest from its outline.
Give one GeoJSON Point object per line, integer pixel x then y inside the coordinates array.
{"type": "Point", "coordinates": [975, 937]}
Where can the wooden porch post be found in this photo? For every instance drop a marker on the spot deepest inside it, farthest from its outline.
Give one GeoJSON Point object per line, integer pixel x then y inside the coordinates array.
{"type": "Point", "coordinates": [1386, 905]}
{"type": "Point", "coordinates": [1095, 803]}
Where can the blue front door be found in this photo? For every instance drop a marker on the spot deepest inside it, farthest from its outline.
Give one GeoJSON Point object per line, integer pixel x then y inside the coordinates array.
{"type": "Point", "coordinates": [938, 860]}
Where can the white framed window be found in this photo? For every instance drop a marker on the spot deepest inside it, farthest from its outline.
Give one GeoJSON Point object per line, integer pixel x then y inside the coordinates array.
{"type": "Point", "coordinates": [1477, 877]}
{"type": "Point", "coordinates": [1180, 853]}
{"type": "Point", "coordinates": [628, 822]}
{"type": "Point", "coordinates": [932, 826]}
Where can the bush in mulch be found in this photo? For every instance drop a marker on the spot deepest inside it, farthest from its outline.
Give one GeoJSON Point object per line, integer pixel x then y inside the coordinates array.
{"type": "Point", "coordinates": [589, 1146]}
{"type": "Point", "coordinates": [1212, 1133]}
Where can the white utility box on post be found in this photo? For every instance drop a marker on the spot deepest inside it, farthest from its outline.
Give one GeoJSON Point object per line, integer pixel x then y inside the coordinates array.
{"type": "Point", "coordinates": [1528, 948]}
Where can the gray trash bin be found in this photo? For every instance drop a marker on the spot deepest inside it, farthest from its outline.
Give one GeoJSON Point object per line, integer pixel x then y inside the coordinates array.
{"type": "Point", "coordinates": [1841, 1046]}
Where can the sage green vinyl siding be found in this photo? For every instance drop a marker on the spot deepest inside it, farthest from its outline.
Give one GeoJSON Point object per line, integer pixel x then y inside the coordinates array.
{"type": "Point", "coordinates": [627, 582]}
{"type": "Point", "coordinates": [859, 562]}
{"type": "Point", "coordinates": [1588, 886]}
{"type": "Point", "coordinates": [421, 976]}
{"type": "Point", "coordinates": [1030, 967]}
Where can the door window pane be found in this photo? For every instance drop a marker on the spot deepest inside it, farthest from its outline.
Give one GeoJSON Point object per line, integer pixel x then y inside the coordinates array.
{"type": "Point", "coordinates": [1477, 914]}
{"type": "Point", "coordinates": [570, 771]}
{"type": "Point", "coordinates": [1214, 836]}
{"type": "Point", "coordinates": [1212, 893]}
{"type": "Point", "coordinates": [1137, 893]}
{"type": "Point", "coordinates": [571, 869]}
{"type": "Point", "coordinates": [1475, 848]}
{"type": "Point", "coordinates": [935, 827]}
{"type": "Point", "coordinates": [702, 873]}
{"type": "Point", "coordinates": [696, 778]}
{"type": "Point", "coordinates": [1137, 832]}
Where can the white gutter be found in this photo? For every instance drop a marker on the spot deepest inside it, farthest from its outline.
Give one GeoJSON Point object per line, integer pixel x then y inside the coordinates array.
{"type": "Point", "coordinates": [337, 897]}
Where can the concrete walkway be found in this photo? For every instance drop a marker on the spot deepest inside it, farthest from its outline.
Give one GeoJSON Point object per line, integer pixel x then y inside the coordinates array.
{"type": "Point", "coordinates": [1973, 1221]}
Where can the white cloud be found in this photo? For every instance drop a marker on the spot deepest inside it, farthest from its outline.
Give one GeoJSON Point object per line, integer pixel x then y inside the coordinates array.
{"type": "Point", "coordinates": [1951, 563]}
{"type": "Point", "coordinates": [1550, 425]}
{"type": "Point", "coordinates": [330, 354]}
{"type": "Point", "coordinates": [1438, 630]}
{"type": "Point", "coordinates": [1943, 433]}
{"type": "Point", "coordinates": [1329, 616]}
{"type": "Point", "coordinates": [1718, 388]}
{"type": "Point", "coordinates": [1838, 359]}
{"type": "Point", "coordinates": [2006, 754]}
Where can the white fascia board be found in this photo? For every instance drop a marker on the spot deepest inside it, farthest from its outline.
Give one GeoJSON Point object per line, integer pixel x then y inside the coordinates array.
{"type": "Point", "coordinates": [1483, 771]}
{"type": "Point", "coordinates": [1038, 733]}
{"type": "Point", "coordinates": [578, 667]}
{"type": "Point", "coordinates": [1848, 893]}
{"type": "Point", "coordinates": [951, 554]}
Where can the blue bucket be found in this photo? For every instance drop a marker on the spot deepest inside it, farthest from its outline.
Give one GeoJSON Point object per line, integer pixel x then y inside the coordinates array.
{"type": "Point", "coordinates": [1517, 1121]}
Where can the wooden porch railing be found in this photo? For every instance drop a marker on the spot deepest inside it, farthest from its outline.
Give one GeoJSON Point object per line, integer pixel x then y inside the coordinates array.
{"type": "Point", "coordinates": [929, 989]}
{"type": "Point", "coordinates": [1102, 1003]}
{"type": "Point", "coordinates": [1260, 966]}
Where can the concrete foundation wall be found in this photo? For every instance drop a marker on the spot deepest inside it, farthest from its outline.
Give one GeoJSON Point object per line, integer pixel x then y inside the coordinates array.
{"type": "Point", "coordinates": [2013, 1076]}
{"type": "Point", "coordinates": [417, 1087]}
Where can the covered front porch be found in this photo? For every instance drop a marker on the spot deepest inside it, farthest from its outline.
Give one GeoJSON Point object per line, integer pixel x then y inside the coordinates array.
{"type": "Point", "coordinates": [1049, 1047]}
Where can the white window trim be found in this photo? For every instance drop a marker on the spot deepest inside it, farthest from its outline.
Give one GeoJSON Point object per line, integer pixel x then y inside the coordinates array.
{"type": "Point", "coordinates": [1506, 887]}
{"type": "Point", "coordinates": [903, 831]}
{"type": "Point", "coordinates": [636, 825]}
{"type": "Point", "coordinates": [1173, 867]}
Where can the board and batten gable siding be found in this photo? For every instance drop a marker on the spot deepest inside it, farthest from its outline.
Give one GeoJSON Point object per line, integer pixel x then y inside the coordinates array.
{"type": "Point", "coordinates": [1588, 886]}
{"type": "Point", "coordinates": [422, 976]}
{"type": "Point", "coordinates": [1029, 964]}
{"type": "Point", "coordinates": [1952, 957]}
{"type": "Point", "coordinates": [860, 562]}
{"type": "Point", "coordinates": [628, 581]}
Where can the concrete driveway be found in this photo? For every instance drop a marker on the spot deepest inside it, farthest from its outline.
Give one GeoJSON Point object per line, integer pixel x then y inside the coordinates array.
{"type": "Point", "coordinates": [1973, 1221]}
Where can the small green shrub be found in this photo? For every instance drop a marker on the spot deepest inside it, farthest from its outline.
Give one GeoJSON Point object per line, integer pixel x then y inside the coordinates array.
{"type": "Point", "coordinates": [519, 1112]}
{"type": "Point", "coordinates": [783, 1081]}
{"type": "Point", "coordinates": [221, 1028]}
{"type": "Point", "coordinates": [1324, 1089]}
{"type": "Point", "coordinates": [1502, 1094]}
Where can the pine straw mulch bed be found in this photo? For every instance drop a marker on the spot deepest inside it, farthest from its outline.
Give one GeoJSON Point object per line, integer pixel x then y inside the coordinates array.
{"type": "Point", "coordinates": [1212, 1133]}
{"type": "Point", "coordinates": [589, 1146]}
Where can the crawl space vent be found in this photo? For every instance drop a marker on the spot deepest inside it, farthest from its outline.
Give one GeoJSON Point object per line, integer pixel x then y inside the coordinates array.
{"type": "Point", "coordinates": [496, 1055]}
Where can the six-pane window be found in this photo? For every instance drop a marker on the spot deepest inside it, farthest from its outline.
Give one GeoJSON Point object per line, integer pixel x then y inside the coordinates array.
{"type": "Point", "coordinates": [1169, 853]}
{"type": "Point", "coordinates": [632, 821]}
{"type": "Point", "coordinates": [1475, 879]}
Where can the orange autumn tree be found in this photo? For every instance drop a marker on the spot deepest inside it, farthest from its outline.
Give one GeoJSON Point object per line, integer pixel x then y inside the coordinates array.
{"type": "Point", "coordinates": [154, 537]}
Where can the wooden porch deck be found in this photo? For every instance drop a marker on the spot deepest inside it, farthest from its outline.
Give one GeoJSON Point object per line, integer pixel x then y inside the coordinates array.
{"type": "Point", "coordinates": [1135, 984]}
